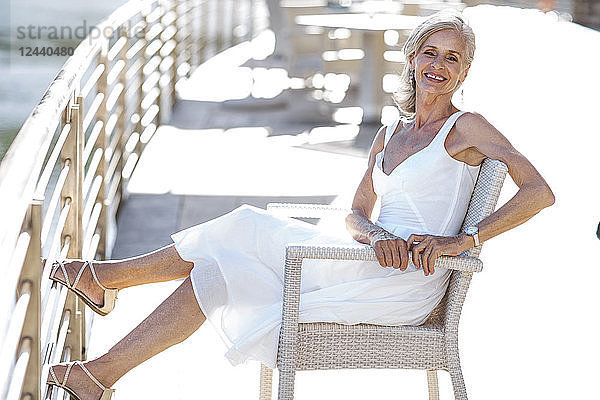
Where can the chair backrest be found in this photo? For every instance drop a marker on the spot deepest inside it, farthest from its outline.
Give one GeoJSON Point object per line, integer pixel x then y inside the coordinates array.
{"type": "Point", "coordinates": [485, 195]}
{"type": "Point", "coordinates": [483, 201]}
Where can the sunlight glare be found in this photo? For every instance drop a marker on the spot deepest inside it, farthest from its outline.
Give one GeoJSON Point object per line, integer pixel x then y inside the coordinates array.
{"type": "Point", "coordinates": [391, 37]}
{"type": "Point", "coordinates": [180, 161]}
{"type": "Point", "coordinates": [351, 54]}
{"type": "Point", "coordinates": [391, 83]}
{"type": "Point", "coordinates": [263, 45]}
{"type": "Point", "coordinates": [339, 133]}
{"type": "Point", "coordinates": [389, 114]}
{"type": "Point", "coordinates": [348, 115]}
{"type": "Point", "coordinates": [394, 56]}
{"type": "Point", "coordinates": [268, 83]}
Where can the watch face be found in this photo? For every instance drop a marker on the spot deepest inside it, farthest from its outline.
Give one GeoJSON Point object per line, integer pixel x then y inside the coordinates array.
{"type": "Point", "coordinates": [471, 230]}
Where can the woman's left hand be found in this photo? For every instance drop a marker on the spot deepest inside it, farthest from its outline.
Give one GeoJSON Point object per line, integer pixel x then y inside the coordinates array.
{"type": "Point", "coordinates": [425, 249]}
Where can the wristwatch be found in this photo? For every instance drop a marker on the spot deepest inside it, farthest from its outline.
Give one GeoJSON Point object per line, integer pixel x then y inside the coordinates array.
{"type": "Point", "coordinates": [473, 231]}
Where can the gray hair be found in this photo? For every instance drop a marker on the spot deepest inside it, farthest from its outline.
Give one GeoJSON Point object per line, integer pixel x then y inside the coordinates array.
{"type": "Point", "coordinates": [405, 96]}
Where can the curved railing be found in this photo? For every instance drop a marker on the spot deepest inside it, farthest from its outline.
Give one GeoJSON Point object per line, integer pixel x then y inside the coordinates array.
{"type": "Point", "coordinates": [63, 178]}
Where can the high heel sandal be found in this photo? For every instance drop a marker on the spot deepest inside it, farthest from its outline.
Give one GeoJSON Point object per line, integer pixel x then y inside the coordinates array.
{"type": "Point", "coordinates": [106, 392]}
{"type": "Point", "coordinates": [110, 295]}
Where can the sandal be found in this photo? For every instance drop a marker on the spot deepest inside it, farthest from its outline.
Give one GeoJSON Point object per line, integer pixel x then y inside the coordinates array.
{"type": "Point", "coordinates": [106, 392]}
{"type": "Point", "coordinates": [110, 295]}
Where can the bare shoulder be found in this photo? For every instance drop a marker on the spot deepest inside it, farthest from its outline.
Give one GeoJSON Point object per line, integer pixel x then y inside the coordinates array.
{"type": "Point", "coordinates": [474, 126]}
{"type": "Point", "coordinates": [485, 140]}
{"type": "Point", "coordinates": [479, 136]}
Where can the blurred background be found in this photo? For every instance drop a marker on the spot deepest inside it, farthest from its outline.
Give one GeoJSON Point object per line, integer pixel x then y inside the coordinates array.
{"type": "Point", "coordinates": [23, 80]}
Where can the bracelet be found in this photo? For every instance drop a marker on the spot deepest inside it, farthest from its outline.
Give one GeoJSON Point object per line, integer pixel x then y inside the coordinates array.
{"type": "Point", "coordinates": [380, 234]}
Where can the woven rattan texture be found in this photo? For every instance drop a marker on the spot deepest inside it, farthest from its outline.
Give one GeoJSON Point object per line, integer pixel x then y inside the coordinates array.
{"type": "Point", "coordinates": [485, 195]}
{"type": "Point", "coordinates": [334, 346]}
{"type": "Point", "coordinates": [431, 346]}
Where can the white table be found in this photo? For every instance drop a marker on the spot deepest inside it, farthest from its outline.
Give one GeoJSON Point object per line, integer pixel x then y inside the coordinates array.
{"type": "Point", "coordinates": [372, 27]}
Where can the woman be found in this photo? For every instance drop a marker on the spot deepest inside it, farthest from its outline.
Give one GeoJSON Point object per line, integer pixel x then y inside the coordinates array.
{"type": "Point", "coordinates": [423, 167]}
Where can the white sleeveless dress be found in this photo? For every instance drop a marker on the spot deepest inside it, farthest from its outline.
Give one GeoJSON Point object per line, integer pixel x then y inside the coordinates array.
{"type": "Point", "coordinates": [239, 258]}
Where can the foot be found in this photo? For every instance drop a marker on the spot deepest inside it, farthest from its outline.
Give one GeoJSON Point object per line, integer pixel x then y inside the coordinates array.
{"type": "Point", "coordinates": [78, 381]}
{"type": "Point", "coordinates": [86, 283]}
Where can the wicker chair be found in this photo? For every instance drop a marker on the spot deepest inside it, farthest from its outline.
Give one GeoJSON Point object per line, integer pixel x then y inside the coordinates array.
{"type": "Point", "coordinates": [431, 346]}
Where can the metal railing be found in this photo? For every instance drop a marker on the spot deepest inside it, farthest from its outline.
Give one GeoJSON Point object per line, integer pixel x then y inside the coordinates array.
{"type": "Point", "coordinates": [63, 178]}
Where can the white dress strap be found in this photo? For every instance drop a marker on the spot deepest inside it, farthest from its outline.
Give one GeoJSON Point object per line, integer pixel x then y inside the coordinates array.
{"type": "Point", "coordinates": [447, 127]}
{"type": "Point", "coordinates": [388, 132]}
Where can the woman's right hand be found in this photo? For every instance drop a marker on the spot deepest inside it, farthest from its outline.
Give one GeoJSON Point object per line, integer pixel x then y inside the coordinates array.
{"type": "Point", "coordinates": [391, 250]}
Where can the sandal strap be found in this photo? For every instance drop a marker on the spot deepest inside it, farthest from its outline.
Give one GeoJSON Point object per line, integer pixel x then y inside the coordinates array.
{"type": "Point", "coordinates": [65, 377]}
{"type": "Point", "coordinates": [94, 275]}
{"type": "Point", "coordinates": [87, 263]}
{"type": "Point", "coordinates": [92, 377]}
{"type": "Point", "coordinates": [68, 371]}
{"type": "Point", "coordinates": [54, 375]}
{"type": "Point", "coordinates": [59, 264]}
{"type": "Point", "coordinates": [78, 277]}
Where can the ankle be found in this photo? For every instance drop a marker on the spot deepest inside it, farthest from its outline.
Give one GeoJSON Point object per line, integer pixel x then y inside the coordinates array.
{"type": "Point", "coordinates": [103, 370]}
{"type": "Point", "coordinates": [106, 275]}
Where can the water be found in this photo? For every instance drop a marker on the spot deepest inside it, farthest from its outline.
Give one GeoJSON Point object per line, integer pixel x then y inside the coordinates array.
{"type": "Point", "coordinates": [23, 80]}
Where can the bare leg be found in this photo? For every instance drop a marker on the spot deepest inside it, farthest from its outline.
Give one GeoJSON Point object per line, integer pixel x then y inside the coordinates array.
{"type": "Point", "coordinates": [160, 265]}
{"type": "Point", "coordinates": [173, 321]}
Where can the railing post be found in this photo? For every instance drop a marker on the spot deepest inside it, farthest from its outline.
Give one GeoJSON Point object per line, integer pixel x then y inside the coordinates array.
{"type": "Point", "coordinates": [194, 41]}
{"type": "Point", "coordinates": [202, 38]}
{"type": "Point", "coordinates": [160, 99]}
{"type": "Point", "coordinates": [122, 114]}
{"type": "Point", "coordinates": [187, 44]}
{"type": "Point", "coordinates": [230, 23]}
{"type": "Point", "coordinates": [31, 275]}
{"type": "Point", "coordinates": [174, 53]}
{"type": "Point", "coordinates": [103, 141]}
{"type": "Point", "coordinates": [236, 23]}
{"type": "Point", "coordinates": [244, 19]}
{"type": "Point", "coordinates": [220, 17]}
{"type": "Point", "coordinates": [141, 79]}
{"type": "Point", "coordinates": [227, 23]}
{"type": "Point", "coordinates": [251, 27]}
{"type": "Point", "coordinates": [72, 193]}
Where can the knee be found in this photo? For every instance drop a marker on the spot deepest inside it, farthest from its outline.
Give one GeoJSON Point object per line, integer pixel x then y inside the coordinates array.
{"type": "Point", "coordinates": [246, 211]}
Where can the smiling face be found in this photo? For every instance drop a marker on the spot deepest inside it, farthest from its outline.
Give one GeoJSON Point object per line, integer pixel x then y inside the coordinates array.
{"type": "Point", "coordinates": [439, 63]}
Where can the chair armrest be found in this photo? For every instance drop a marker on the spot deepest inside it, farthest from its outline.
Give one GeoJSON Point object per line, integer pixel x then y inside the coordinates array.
{"type": "Point", "coordinates": [366, 253]}
{"type": "Point", "coordinates": [306, 210]}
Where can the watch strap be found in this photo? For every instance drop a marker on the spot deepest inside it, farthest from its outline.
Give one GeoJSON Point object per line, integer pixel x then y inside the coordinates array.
{"type": "Point", "coordinates": [476, 239]}
{"type": "Point", "coordinates": [473, 231]}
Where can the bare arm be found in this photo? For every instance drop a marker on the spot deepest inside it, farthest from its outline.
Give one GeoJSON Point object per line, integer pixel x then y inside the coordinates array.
{"type": "Point", "coordinates": [533, 195]}
{"type": "Point", "coordinates": [480, 138]}
{"type": "Point", "coordinates": [391, 250]}
{"type": "Point", "coordinates": [358, 222]}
